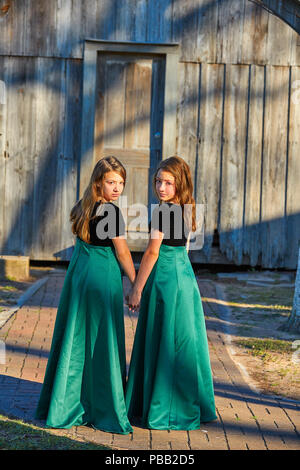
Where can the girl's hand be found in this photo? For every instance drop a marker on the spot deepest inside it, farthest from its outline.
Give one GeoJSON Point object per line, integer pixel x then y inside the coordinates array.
{"type": "Point", "coordinates": [134, 299]}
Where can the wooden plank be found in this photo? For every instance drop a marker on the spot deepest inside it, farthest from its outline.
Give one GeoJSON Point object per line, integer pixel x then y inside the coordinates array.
{"type": "Point", "coordinates": [124, 105]}
{"type": "Point", "coordinates": [39, 33]}
{"type": "Point", "coordinates": [114, 102]}
{"type": "Point", "coordinates": [64, 18]}
{"type": "Point", "coordinates": [99, 108]}
{"type": "Point", "coordinates": [27, 145]}
{"type": "Point", "coordinates": [251, 232]}
{"type": "Point", "coordinates": [187, 115]}
{"type": "Point", "coordinates": [15, 146]}
{"type": "Point", "coordinates": [207, 31]}
{"type": "Point", "coordinates": [156, 121]}
{"type": "Point", "coordinates": [185, 28]}
{"type": "Point", "coordinates": [3, 136]}
{"type": "Point", "coordinates": [274, 167]}
{"type": "Point", "coordinates": [169, 129]}
{"type": "Point", "coordinates": [3, 108]}
{"type": "Point", "coordinates": [12, 28]}
{"type": "Point", "coordinates": [19, 151]}
{"type": "Point", "coordinates": [35, 142]}
{"type": "Point", "coordinates": [106, 20]}
{"type": "Point", "coordinates": [88, 116]}
{"type": "Point", "coordinates": [134, 157]}
{"type": "Point", "coordinates": [233, 161]}
{"type": "Point", "coordinates": [50, 101]}
{"type": "Point", "coordinates": [209, 151]}
{"type": "Point", "coordinates": [137, 131]}
{"type": "Point", "coordinates": [16, 22]}
{"type": "Point", "coordinates": [143, 96]}
{"type": "Point", "coordinates": [74, 43]}
{"type": "Point", "coordinates": [230, 31]}
{"type": "Point", "coordinates": [293, 173]}
{"type": "Point", "coordinates": [138, 104]}
{"type": "Point", "coordinates": [90, 13]}
{"type": "Point", "coordinates": [279, 42]}
{"type": "Point", "coordinates": [68, 158]}
{"type": "Point", "coordinates": [5, 25]}
{"type": "Point", "coordinates": [255, 34]}
{"type": "Point", "coordinates": [159, 19]}
{"type": "Point", "coordinates": [141, 20]}
{"type": "Point", "coordinates": [125, 20]}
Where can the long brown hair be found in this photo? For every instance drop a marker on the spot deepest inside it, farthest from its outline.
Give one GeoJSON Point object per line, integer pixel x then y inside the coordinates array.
{"type": "Point", "coordinates": [183, 185]}
{"type": "Point", "coordinates": [81, 213]}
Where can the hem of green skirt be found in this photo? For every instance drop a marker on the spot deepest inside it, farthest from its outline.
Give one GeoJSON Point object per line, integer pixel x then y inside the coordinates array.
{"type": "Point", "coordinates": [210, 418]}
{"type": "Point", "coordinates": [181, 427]}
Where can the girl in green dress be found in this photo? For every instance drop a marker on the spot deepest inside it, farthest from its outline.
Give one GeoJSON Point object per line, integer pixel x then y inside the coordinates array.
{"type": "Point", "coordinates": [170, 381]}
{"type": "Point", "coordinates": [86, 369]}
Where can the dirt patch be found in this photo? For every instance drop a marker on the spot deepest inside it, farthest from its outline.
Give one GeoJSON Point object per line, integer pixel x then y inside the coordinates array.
{"type": "Point", "coordinates": [258, 309]}
{"type": "Point", "coordinates": [11, 290]}
{"type": "Point", "coordinates": [272, 373]}
{"type": "Point", "coordinates": [258, 313]}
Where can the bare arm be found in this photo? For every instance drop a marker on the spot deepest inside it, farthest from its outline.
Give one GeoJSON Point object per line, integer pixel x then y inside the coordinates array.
{"type": "Point", "coordinates": [148, 261]}
{"type": "Point", "coordinates": [124, 257]}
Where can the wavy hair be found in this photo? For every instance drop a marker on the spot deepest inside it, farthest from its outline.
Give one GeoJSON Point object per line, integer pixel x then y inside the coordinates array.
{"type": "Point", "coordinates": [183, 186]}
{"type": "Point", "coordinates": [81, 213]}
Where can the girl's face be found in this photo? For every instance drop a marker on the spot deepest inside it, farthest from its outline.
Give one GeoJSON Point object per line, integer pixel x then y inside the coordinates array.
{"type": "Point", "coordinates": [165, 186]}
{"type": "Point", "coordinates": [112, 186]}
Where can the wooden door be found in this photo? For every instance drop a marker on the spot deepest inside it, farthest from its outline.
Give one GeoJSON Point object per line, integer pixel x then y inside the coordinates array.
{"type": "Point", "coordinates": [129, 122]}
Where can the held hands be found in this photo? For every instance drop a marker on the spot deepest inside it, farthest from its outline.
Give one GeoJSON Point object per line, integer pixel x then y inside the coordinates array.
{"type": "Point", "coordinates": [133, 300]}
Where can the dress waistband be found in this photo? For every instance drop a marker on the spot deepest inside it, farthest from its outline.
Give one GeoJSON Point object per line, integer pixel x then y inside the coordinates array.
{"type": "Point", "coordinates": [88, 246]}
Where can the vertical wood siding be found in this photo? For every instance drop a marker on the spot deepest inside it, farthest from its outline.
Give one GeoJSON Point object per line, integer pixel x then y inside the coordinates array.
{"type": "Point", "coordinates": [215, 31]}
{"type": "Point", "coordinates": [238, 128]}
{"type": "Point", "coordinates": [238, 121]}
{"type": "Point", "coordinates": [39, 166]}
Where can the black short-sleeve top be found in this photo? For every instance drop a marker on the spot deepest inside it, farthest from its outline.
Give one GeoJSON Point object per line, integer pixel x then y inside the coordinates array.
{"type": "Point", "coordinates": [168, 219]}
{"type": "Point", "coordinates": [108, 223]}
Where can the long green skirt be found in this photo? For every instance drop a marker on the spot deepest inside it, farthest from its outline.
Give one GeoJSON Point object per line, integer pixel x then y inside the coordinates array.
{"type": "Point", "coordinates": [86, 371]}
{"type": "Point", "coordinates": [170, 382]}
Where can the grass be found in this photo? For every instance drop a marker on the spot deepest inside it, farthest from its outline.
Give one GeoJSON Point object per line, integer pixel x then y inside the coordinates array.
{"type": "Point", "coordinates": [8, 288]}
{"type": "Point", "coordinates": [279, 297]}
{"type": "Point", "coordinates": [11, 278]}
{"type": "Point", "coordinates": [260, 346]}
{"type": "Point", "coordinates": [18, 435]}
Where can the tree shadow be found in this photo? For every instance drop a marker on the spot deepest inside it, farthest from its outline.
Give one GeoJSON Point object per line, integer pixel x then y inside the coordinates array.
{"type": "Point", "coordinates": [18, 400]}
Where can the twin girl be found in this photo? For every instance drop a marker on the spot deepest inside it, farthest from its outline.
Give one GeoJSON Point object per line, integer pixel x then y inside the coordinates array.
{"type": "Point", "coordinates": [169, 383]}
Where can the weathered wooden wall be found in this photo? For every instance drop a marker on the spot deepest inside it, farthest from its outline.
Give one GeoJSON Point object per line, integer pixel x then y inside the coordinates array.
{"type": "Point", "coordinates": [237, 120]}
{"type": "Point", "coordinates": [214, 31]}
{"type": "Point", "coordinates": [38, 168]}
{"type": "Point", "coordinates": [238, 127]}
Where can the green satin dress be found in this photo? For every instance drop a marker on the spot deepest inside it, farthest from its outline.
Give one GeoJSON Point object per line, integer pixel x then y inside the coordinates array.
{"type": "Point", "coordinates": [170, 382]}
{"type": "Point", "coordinates": [86, 370]}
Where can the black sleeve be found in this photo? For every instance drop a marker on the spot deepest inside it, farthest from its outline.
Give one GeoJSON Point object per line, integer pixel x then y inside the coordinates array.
{"type": "Point", "coordinates": [168, 219]}
{"type": "Point", "coordinates": [156, 220]}
{"type": "Point", "coordinates": [110, 223]}
{"type": "Point", "coordinates": [120, 225]}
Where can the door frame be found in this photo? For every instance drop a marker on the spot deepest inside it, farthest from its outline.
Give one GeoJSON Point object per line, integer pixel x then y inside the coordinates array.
{"type": "Point", "coordinates": [92, 47]}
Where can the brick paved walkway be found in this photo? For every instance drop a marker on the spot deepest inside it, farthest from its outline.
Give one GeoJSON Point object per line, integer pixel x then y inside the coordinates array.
{"type": "Point", "coordinates": [245, 420]}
